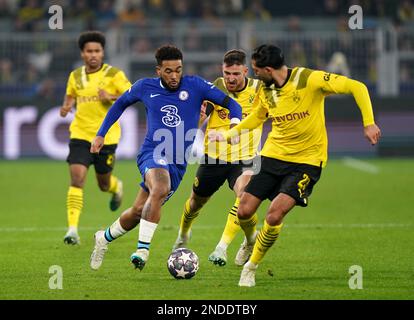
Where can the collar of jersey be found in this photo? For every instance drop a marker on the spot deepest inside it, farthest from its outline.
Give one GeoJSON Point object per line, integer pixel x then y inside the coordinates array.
{"type": "Point", "coordinates": [169, 90]}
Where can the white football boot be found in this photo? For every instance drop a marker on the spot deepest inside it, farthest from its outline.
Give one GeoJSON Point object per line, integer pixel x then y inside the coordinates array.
{"type": "Point", "coordinates": [71, 237]}
{"type": "Point", "coordinates": [218, 256]}
{"type": "Point", "coordinates": [101, 245]}
{"type": "Point", "coordinates": [248, 274]}
{"type": "Point", "coordinates": [244, 252]}
{"type": "Point", "coordinates": [181, 241]}
{"type": "Point", "coordinates": [139, 258]}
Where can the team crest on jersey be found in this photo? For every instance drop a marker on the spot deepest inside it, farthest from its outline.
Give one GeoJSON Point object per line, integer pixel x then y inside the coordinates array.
{"type": "Point", "coordinates": [251, 99]}
{"type": "Point", "coordinates": [183, 95]}
{"type": "Point", "coordinates": [296, 97]}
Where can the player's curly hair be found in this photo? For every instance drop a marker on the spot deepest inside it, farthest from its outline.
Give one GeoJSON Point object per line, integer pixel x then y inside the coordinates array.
{"type": "Point", "coordinates": [268, 55]}
{"type": "Point", "coordinates": [91, 36]}
{"type": "Point", "coordinates": [168, 52]}
{"type": "Point", "coordinates": [235, 56]}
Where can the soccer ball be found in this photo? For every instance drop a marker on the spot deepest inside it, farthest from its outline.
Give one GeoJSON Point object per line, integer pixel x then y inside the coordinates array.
{"type": "Point", "coordinates": [183, 263]}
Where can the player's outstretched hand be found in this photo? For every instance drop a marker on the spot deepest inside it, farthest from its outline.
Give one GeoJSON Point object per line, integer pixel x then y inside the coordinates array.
{"type": "Point", "coordinates": [214, 135]}
{"type": "Point", "coordinates": [97, 144]}
{"type": "Point", "coordinates": [372, 133]}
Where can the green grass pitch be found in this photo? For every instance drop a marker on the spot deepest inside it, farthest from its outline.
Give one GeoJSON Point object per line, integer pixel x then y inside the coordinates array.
{"type": "Point", "coordinates": [355, 217]}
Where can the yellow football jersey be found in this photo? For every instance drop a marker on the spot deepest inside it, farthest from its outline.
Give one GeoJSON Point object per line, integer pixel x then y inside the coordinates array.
{"type": "Point", "coordinates": [90, 111]}
{"type": "Point", "coordinates": [297, 113]}
{"type": "Point", "coordinates": [220, 120]}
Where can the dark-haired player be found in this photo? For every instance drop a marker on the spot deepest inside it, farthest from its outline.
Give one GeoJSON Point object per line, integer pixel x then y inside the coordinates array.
{"type": "Point", "coordinates": [223, 162]}
{"type": "Point", "coordinates": [93, 88]}
{"type": "Point", "coordinates": [296, 149]}
{"type": "Point", "coordinates": [172, 102]}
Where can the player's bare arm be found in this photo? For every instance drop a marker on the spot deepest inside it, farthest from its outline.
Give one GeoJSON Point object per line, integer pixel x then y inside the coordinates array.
{"type": "Point", "coordinates": [67, 106]}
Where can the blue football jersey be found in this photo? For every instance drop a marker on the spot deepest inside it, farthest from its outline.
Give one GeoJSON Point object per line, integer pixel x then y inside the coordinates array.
{"type": "Point", "coordinates": [172, 116]}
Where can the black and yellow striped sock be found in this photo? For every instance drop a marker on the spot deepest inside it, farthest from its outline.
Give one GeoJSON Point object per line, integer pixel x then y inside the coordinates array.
{"type": "Point", "coordinates": [187, 218]}
{"type": "Point", "coordinates": [249, 227]}
{"type": "Point", "coordinates": [265, 239]}
{"type": "Point", "coordinates": [74, 204]}
{"type": "Point", "coordinates": [232, 225]}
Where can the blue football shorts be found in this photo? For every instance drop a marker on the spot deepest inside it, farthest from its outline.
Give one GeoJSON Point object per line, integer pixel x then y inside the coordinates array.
{"type": "Point", "coordinates": [146, 161]}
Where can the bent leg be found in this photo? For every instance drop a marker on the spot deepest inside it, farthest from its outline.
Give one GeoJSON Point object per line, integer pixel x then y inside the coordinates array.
{"type": "Point", "coordinates": [128, 220]}
{"type": "Point", "coordinates": [247, 215]}
{"type": "Point", "coordinates": [131, 217]}
{"type": "Point", "coordinates": [107, 182]}
{"type": "Point", "coordinates": [158, 182]}
{"type": "Point", "coordinates": [233, 225]}
{"type": "Point", "coordinates": [272, 226]}
{"type": "Point", "coordinates": [192, 208]}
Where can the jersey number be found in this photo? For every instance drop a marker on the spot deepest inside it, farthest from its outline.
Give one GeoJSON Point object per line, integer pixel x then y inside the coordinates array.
{"type": "Point", "coordinates": [171, 119]}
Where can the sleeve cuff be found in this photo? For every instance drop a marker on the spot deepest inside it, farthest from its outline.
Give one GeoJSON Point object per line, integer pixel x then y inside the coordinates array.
{"type": "Point", "coordinates": [234, 121]}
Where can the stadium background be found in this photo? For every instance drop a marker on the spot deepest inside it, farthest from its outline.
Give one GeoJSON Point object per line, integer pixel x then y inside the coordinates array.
{"type": "Point", "coordinates": [35, 63]}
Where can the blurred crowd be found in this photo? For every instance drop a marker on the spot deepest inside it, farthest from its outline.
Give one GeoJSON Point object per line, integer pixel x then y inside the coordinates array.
{"type": "Point", "coordinates": [27, 14]}
{"type": "Point", "coordinates": [40, 68]}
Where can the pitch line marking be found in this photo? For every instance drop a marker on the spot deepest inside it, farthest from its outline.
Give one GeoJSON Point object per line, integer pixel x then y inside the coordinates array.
{"type": "Point", "coordinates": [219, 226]}
{"type": "Point", "coordinates": [360, 165]}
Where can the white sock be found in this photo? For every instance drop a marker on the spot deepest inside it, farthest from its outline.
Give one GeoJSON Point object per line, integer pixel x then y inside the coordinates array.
{"type": "Point", "coordinates": [73, 229]}
{"type": "Point", "coordinates": [114, 231]}
{"type": "Point", "coordinates": [222, 245]}
{"type": "Point", "coordinates": [146, 232]}
{"type": "Point", "coordinates": [250, 265]}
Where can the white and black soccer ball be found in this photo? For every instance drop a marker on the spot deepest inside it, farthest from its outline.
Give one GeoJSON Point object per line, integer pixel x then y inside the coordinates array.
{"type": "Point", "coordinates": [183, 263]}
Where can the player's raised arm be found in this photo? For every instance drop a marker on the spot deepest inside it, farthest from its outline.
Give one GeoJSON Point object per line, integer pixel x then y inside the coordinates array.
{"type": "Point", "coordinates": [331, 83]}
{"type": "Point", "coordinates": [128, 98]}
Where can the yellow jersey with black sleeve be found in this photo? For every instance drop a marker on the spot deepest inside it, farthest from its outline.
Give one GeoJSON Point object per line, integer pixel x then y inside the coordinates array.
{"type": "Point", "coordinates": [90, 110]}
{"type": "Point", "coordinates": [220, 120]}
{"type": "Point", "coordinates": [297, 112]}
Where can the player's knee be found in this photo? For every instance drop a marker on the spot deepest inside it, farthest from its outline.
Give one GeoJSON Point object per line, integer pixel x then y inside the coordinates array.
{"type": "Point", "coordinates": [275, 215]}
{"type": "Point", "coordinates": [197, 202]}
{"type": "Point", "coordinates": [244, 212]}
{"type": "Point", "coordinates": [274, 219]}
{"type": "Point", "coordinates": [159, 192]}
{"type": "Point", "coordinates": [77, 182]}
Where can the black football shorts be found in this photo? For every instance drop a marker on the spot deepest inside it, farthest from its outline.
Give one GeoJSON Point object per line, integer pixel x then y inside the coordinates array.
{"type": "Point", "coordinates": [276, 176]}
{"type": "Point", "coordinates": [212, 174]}
{"type": "Point", "coordinates": [79, 153]}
